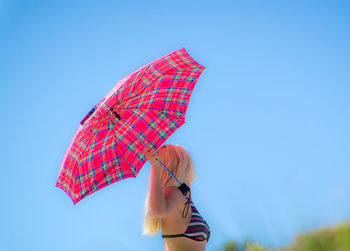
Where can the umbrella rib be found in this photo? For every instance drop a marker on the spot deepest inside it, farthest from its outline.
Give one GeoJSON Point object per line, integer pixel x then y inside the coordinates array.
{"type": "Point", "coordinates": [163, 74]}
{"type": "Point", "coordinates": [136, 135]}
{"type": "Point", "coordinates": [140, 92]}
{"type": "Point", "coordinates": [158, 110]}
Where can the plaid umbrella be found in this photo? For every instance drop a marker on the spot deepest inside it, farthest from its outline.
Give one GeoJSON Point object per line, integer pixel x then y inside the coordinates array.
{"type": "Point", "coordinates": [144, 108]}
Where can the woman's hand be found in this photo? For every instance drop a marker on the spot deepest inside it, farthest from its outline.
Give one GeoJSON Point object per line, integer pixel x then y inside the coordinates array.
{"type": "Point", "coordinates": [152, 155]}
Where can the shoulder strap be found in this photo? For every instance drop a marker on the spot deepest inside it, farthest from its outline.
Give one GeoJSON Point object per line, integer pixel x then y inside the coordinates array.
{"type": "Point", "coordinates": [184, 190]}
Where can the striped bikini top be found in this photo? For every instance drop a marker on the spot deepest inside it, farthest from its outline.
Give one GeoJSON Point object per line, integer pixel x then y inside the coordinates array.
{"type": "Point", "coordinates": [198, 228]}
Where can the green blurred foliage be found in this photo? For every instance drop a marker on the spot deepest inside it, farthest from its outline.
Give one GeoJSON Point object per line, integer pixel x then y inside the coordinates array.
{"type": "Point", "coordinates": [326, 239]}
{"type": "Point", "coordinates": [254, 247]}
{"type": "Point", "coordinates": [231, 246]}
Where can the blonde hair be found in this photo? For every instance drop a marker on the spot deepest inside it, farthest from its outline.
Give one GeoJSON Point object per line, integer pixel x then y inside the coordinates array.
{"type": "Point", "coordinates": [180, 163]}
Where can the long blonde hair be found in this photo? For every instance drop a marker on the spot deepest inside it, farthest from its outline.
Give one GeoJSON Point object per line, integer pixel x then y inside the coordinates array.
{"type": "Point", "coordinates": [180, 163]}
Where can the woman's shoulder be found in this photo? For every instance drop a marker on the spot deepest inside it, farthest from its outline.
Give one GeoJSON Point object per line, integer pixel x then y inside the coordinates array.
{"type": "Point", "coordinates": [173, 191]}
{"type": "Point", "coordinates": [175, 188]}
{"type": "Point", "coordinates": [175, 199]}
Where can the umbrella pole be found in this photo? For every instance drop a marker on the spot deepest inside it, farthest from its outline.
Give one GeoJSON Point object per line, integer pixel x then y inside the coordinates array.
{"type": "Point", "coordinates": [170, 172]}
{"type": "Point", "coordinates": [183, 187]}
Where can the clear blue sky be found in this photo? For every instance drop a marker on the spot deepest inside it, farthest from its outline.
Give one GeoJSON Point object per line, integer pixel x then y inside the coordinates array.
{"type": "Point", "coordinates": [267, 125]}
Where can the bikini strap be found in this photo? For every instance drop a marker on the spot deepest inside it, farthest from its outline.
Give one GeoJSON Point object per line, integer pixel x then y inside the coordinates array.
{"type": "Point", "coordinates": [172, 235]}
{"type": "Point", "coordinates": [187, 206]}
{"type": "Point", "coordinates": [184, 190]}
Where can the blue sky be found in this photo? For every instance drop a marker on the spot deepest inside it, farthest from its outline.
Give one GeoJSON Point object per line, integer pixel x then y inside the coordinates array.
{"type": "Point", "coordinates": [267, 125]}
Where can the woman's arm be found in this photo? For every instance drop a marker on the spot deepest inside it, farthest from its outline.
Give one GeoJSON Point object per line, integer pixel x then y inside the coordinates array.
{"type": "Point", "coordinates": [161, 203]}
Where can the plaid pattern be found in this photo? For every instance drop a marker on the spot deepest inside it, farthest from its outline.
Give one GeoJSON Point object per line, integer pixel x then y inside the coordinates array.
{"type": "Point", "coordinates": [151, 103]}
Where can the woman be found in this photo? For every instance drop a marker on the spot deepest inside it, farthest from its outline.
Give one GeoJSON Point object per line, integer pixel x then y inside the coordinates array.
{"type": "Point", "coordinates": [167, 207]}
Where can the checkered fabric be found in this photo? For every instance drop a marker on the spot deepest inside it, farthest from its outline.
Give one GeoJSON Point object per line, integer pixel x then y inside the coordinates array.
{"type": "Point", "coordinates": [145, 107]}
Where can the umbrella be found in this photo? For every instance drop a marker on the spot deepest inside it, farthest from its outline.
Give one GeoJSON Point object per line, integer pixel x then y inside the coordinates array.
{"type": "Point", "coordinates": [144, 108]}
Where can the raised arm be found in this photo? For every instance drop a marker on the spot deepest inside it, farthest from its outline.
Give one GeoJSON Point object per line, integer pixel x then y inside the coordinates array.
{"type": "Point", "coordinates": [162, 203]}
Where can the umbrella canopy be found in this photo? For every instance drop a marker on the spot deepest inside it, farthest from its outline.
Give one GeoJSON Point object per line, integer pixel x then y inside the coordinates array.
{"type": "Point", "coordinates": [144, 108]}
